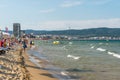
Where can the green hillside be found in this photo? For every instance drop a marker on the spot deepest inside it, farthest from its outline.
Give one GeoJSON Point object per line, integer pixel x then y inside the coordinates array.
{"type": "Point", "coordinates": [84, 32]}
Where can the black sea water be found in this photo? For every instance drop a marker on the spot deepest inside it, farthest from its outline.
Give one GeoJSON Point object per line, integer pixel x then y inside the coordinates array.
{"type": "Point", "coordinates": [80, 60]}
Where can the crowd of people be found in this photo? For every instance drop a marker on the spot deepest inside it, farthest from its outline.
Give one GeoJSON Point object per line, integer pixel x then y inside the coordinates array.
{"type": "Point", "coordinates": [11, 42]}
{"type": "Point", "coordinates": [6, 42]}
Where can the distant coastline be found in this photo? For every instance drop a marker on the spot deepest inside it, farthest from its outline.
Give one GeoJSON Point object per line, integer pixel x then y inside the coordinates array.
{"type": "Point", "coordinates": [84, 34]}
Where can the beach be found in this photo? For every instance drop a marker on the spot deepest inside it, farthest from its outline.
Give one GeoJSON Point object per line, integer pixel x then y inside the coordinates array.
{"type": "Point", "coordinates": [94, 60]}
{"type": "Point", "coordinates": [16, 65]}
{"type": "Point", "coordinates": [36, 73]}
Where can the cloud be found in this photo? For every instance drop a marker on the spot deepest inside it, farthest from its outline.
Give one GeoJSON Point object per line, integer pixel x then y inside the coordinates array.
{"type": "Point", "coordinates": [98, 2]}
{"type": "Point", "coordinates": [67, 4]}
{"type": "Point", "coordinates": [47, 11]}
{"type": "Point", "coordinates": [81, 24]}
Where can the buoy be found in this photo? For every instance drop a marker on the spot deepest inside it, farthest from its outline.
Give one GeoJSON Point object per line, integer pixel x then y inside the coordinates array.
{"type": "Point", "coordinates": [55, 42]}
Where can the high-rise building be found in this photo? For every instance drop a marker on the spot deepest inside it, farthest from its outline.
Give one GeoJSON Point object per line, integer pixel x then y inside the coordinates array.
{"type": "Point", "coordinates": [16, 30]}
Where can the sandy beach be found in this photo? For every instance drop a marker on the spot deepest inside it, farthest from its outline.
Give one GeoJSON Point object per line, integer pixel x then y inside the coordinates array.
{"type": "Point", "coordinates": [16, 65]}
{"type": "Point", "coordinates": [36, 73]}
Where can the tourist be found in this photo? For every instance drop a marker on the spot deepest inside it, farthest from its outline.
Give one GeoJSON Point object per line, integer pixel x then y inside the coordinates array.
{"type": "Point", "coordinates": [24, 44]}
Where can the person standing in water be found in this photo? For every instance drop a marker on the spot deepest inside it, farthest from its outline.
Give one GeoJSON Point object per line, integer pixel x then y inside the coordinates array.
{"type": "Point", "coordinates": [30, 43]}
{"type": "Point", "coordinates": [24, 44]}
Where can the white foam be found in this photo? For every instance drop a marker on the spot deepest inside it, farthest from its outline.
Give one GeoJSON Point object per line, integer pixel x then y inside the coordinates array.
{"type": "Point", "coordinates": [111, 53]}
{"type": "Point", "coordinates": [114, 54]}
{"type": "Point", "coordinates": [64, 73]}
{"type": "Point", "coordinates": [73, 57]}
{"type": "Point", "coordinates": [92, 47]}
{"type": "Point", "coordinates": [101, 49]}
{"type": "Point", "coordinates": [69, 55]}
{"type": "Point", "coordinates": [70, 43]}
{"type": "Point", "coordinates": [64, 47]}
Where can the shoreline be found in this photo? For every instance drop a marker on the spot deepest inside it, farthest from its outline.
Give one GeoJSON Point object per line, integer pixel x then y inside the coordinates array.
{"type": "Point", "coordinates": [42, 62]}
{"type": "Point", "coordinates": [36, 72]}
{"type": "Point", "coordinates": [16, 65]}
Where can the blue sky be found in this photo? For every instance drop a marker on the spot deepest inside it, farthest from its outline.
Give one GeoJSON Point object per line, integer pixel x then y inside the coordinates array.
{"type": "Point", "coordinates": [59, 14]}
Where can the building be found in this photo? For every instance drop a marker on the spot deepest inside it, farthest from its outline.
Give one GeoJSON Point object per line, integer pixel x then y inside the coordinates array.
{"type": "Point", "coordinates": [16, 30]}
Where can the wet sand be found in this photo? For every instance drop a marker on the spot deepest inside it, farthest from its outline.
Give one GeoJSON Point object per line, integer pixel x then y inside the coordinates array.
{"type": "Point", "coordinates": [36, 73]}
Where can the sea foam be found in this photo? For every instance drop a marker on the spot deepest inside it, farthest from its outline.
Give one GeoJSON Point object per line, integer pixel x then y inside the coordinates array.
{"type": "Point", "coordinates": [114, 54]}
{"type": "Point", "coordinates": [100, 43]}
{"type": "Point", "coordinates": [64, 73]}
{"type": "Point", "coordinates": [92, 47]}
{"type": "Point", "coordinates": [74, 57]}
{"type": "Point", "coordinates": [111, 53]}
{"type": "Point", "coordinates": [70, 43]}
{"type": "Point", "coordinates": [101, 49]}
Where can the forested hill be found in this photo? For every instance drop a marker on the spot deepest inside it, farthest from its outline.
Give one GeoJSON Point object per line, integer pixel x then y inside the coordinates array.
{"type": "Point", "coordinates": [84, 32]}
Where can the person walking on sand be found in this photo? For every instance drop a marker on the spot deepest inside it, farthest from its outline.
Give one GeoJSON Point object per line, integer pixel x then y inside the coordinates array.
{"type": "Point", "coordinates": [24, 45]}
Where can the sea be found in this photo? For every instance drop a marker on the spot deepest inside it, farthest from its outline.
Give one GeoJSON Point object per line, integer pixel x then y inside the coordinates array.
{"type": "Point", "coordinates": [79, 59]}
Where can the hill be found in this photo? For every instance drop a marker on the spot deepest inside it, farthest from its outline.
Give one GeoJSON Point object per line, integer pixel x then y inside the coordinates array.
{"type": "Point", "coordinates": [113, 32]}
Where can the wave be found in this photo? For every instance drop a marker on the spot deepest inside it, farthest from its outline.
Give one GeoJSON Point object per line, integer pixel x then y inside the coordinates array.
{"type": "Point", "coordinates": [64, 73]}
{"type": "Point", "coordinates": [101, 49]}
{"type": "Point", "coordinates": [73, 57]}
{"type": "Point", "coordinates": [70, 43]}
{"type": "Point", "coordinates": [100, 43]}
{"type": "Point", "coordinates": [114, 54]}
{"type": "Point", "coordinates": [110, 53]}
{"type": "Point", "coordinates": [92, 47]}
{"type": "Point", "coordinates": [65, 48]}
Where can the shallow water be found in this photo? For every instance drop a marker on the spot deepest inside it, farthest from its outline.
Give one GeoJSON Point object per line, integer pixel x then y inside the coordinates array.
{"type": "Point", "coordinates": [81, 60]}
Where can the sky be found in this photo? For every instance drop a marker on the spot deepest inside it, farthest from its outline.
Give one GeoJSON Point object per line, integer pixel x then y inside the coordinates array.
{"type": "Point", "coordinates": [59, 14]}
